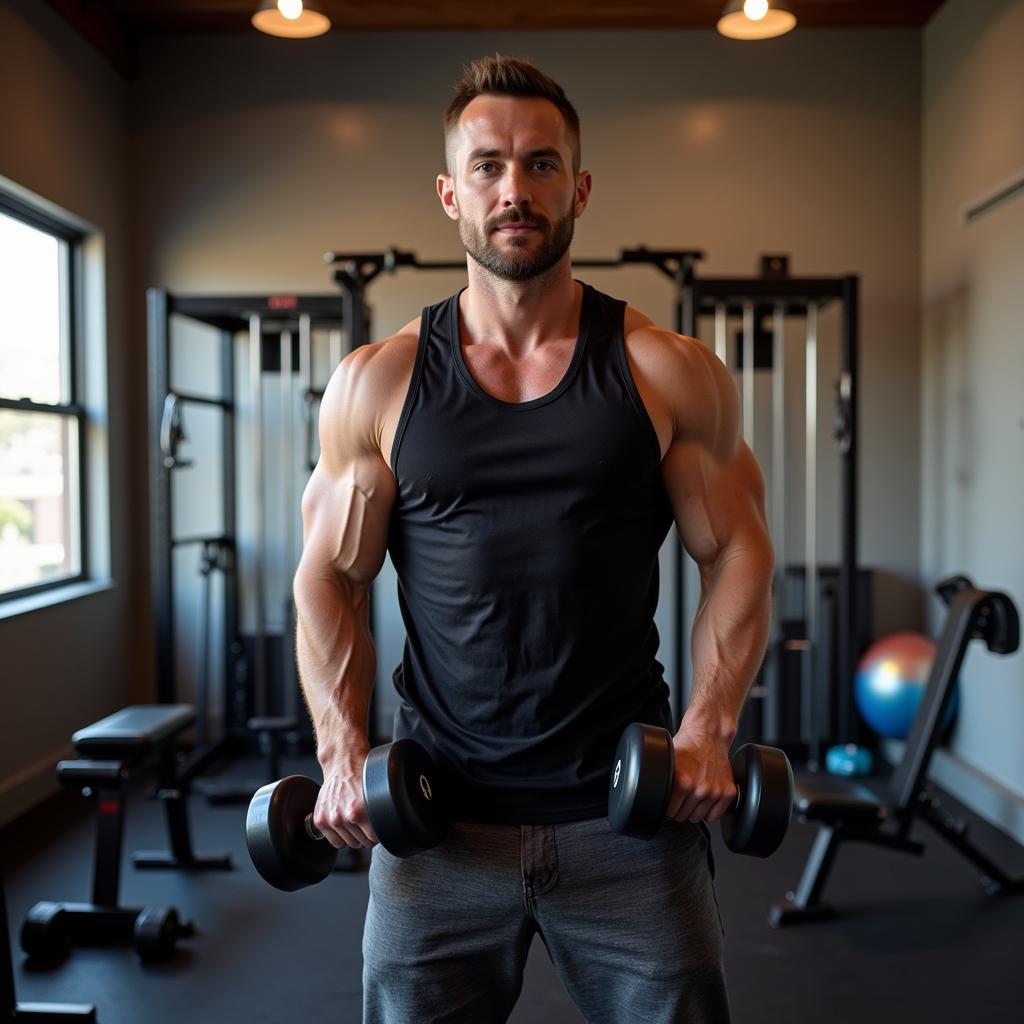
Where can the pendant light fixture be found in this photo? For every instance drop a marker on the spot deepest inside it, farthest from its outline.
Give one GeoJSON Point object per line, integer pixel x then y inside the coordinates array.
{"type": "Point", "coordinates": [756, 19]}
{"type": "Point", "coordinates": [291, 19]}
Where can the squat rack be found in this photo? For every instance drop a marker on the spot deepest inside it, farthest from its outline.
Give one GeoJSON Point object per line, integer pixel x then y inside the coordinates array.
{"type": "Point", "coordinates": [774, 293]}
{"type": "Point", "coordinates": [772, 296]}
{"type": "Point", "coordinates": [777, 295]}
{"type": "Point", "coordinates": [246, 689]}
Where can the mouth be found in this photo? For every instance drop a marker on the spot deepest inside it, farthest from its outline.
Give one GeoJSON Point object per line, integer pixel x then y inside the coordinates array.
{"type": "Point", "coordinates": [515, 229]}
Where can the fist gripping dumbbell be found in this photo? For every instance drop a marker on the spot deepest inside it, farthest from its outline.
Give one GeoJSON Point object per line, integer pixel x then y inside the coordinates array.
{"type": "Point", "coordinates": [640, 789]}
{"type": "Point", "coordinates": [403, 802]}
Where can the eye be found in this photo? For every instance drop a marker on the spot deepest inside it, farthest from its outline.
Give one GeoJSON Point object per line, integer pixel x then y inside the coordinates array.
{"type": "Point", "coordinates": [484, 166]}
{"type": "Point", "coordinates": [547, 164]}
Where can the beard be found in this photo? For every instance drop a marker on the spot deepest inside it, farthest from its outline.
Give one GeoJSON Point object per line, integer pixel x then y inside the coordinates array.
{"type": "Point", "coordinates": [521, 259]}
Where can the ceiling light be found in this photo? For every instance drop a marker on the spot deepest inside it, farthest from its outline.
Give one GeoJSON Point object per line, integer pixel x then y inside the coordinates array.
{"type": "Point", "coordinates": [756, 19]}
{"type": "Point", "coordinates": [291, 19]}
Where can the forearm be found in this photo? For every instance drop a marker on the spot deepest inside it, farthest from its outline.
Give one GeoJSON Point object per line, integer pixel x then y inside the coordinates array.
{"type": "Point", "coordinates": [337, 662]}
{"type": "Point", "coordinates": [730, 634]}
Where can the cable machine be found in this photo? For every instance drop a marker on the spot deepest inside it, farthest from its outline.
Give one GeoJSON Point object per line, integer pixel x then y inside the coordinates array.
{"type": "Point", "coordinates": [802, 699]}
{"type": "Point", "coordinates": [255, 688]}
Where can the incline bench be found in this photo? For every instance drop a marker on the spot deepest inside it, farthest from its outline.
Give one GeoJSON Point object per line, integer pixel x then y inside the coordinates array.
{"type": "Point", "coordinates": [113, 751]}
{"type": "Point", "coordinates": [850, 812]}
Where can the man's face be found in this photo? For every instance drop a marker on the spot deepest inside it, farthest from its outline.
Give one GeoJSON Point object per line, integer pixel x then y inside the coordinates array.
{"type": "Point", "coordinates": [513, 191]}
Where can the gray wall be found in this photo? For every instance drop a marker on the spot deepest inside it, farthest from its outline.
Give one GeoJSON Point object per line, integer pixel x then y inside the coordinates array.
{"type": "Point", "coordinates": [250, 166]}
{"type": "Point", "coordinates": [972, 411]}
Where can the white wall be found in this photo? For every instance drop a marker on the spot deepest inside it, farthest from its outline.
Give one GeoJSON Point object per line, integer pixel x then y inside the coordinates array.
{"type": "Point", "coordinates": [972, 413]}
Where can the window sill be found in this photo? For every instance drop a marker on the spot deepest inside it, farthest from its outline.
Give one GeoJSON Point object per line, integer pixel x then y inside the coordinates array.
{"type": "Point", "coordinates": [48, 598]}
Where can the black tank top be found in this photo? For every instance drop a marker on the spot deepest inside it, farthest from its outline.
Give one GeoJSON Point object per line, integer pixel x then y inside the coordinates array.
{"type": "Point", "coordinates": [525, 537]}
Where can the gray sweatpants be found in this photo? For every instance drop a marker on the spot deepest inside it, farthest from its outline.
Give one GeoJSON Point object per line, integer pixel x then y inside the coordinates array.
{"type": "Point", "coordinates": [632, 926]}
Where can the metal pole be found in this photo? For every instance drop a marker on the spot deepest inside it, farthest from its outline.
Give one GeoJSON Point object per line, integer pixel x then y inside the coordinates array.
{"type": "Point", "coordinates": [234, 682]}
{"type": "Point", "coordinates": [286, 441]}
{"type": "Point", "coordinates": [721, 336]}
{"type": "Point", "coordinates": [850, 638]}
{"type": "Point", "coordinates": [748, 374]}
{"type": "Point", "coordinates": [207, 561]}
{"type": "Point", "coordinates": [305, 416]}
{"type": "Point", "coordinates": [161, 560]}
{"type": "Point", "coordinates": [687, 306]}
{"type": "Point", "coordinates": [773, 701]}
{"type": "Point", "coordinates": [293, 523]}
{"type": "Point", "coordinates": [810, 533]}
{"type": "Point", "coordinates": [256, 385]}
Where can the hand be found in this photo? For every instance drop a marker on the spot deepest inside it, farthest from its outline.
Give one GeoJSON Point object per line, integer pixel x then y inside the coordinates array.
{"type": "Point", "coordinates": [703, 788]}
{"type": "Point", "coordinates": [340, 812]}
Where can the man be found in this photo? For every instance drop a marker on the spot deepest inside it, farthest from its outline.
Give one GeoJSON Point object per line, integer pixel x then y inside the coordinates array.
{"type": "Point", "coordinates": [521, 450]}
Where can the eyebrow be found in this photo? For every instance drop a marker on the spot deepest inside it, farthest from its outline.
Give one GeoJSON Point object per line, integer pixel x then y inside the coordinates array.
{"type": "Point", "coordinates": [533, 154]}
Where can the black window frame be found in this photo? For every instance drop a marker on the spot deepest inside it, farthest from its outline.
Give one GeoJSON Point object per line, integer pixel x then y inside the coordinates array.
{"type": "Point", "coordinates": [74, 407]}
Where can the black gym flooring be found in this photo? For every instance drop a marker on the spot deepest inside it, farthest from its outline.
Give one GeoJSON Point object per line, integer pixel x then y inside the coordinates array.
{"type": "Point", "coordinates": [917, 940]}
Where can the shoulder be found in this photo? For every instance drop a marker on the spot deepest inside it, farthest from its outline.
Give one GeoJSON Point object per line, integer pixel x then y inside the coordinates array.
{"type": "Point", "coordinates": [368, 384]}
{"type": "Point", "coordinates": [658, 349]}
{"type": "Point", "coordinates": [685, 375]}
{"type": "Point", "coordinates": [372, 371]}
{"type": "Point", "coordinates": [380, 363]}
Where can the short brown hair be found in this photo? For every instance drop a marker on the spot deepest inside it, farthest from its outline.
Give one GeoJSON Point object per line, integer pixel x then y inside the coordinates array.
{"type": "Point", "coordinates": [510, 76]}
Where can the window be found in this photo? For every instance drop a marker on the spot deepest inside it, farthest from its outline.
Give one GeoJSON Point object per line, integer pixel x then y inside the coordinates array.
{"type": "Point", "coordinates": [41, 419]}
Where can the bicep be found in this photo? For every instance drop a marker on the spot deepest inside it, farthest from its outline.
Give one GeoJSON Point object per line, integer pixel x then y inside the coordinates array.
{"type": "Point", "coordinates": [712, 478]}
{"type": "Point", "coordinates": [346, 506]}
{"type": "Point", "coordinates": [345, 518]}
{"type": "Point", "coordinates": [717, 503]}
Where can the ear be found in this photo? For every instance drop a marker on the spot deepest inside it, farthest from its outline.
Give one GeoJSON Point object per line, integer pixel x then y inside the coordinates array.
{"type": "Point", "coordinates": [446, 193]}
{"type": "Point", "coordinates": [584, 183]}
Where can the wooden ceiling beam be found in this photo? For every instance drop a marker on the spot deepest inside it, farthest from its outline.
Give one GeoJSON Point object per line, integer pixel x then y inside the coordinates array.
{"type": "Point", "coordinates": [524, 15]}
{"type": "Point", "coordinates": [113, 26]}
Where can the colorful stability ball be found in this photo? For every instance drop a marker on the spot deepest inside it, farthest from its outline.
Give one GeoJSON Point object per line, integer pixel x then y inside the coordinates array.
{"type": "Point", "coordinates": [891, 678]}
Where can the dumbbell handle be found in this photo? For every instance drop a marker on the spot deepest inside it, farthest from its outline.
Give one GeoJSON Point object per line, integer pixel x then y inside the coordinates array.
{"type": "Point", "coordinates": [736, 800]}
{"type": "Point", "coordinates": [311, 830]}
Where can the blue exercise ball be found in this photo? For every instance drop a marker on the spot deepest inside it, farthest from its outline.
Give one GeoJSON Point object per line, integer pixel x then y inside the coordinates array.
{"type": "Point", "coordinates": [891, 678]}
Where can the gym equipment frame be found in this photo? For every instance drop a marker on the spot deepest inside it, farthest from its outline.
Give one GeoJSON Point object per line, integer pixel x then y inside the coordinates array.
{"type": "Point", "coordinates": [849, 812]}
{"type": "Point", "coordinates": [825, 717]}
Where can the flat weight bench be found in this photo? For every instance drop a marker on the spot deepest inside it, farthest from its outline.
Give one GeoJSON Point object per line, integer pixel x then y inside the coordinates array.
{"type": "Point", "coordinates": [115, 750]}
{"type": "Point", "coordinates": [849, 812]}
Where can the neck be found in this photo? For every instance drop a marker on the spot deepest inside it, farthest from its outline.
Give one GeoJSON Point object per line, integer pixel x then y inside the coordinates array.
{"type": "Point", "coordinates": [520, 315]}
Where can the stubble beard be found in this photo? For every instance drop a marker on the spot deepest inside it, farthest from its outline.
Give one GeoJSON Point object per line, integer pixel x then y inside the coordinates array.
{"type": "Point", "coordinates": [519, 260]}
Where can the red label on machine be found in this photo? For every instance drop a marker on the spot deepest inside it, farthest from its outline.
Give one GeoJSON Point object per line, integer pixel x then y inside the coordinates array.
{"type": "Point", "coordinates": [110, 807]}
{"type": "Point", "coordinates": [283, 301]}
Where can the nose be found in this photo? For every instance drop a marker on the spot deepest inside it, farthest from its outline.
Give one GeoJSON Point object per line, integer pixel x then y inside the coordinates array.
{"type": "Point", "coordinates": [515, 190]}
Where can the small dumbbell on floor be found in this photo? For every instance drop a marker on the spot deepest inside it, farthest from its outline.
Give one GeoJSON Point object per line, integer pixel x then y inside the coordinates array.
{"type": "Point", "coordinates": [403, 802]}
{"type": "Point", "coordinates": [640, 789]}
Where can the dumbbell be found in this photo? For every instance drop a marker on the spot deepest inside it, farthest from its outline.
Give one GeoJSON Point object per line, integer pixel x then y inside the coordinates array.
{"type": "Point", "coordinates": [640, 789]}
{"type": "Point", "coordinates": [403, 802]}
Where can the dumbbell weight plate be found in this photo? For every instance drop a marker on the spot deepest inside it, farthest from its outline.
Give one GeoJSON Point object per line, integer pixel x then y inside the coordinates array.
{"type": "Point", "coordinates": [404, 801]}
{"type": "Point", "coordinates": [155, 932]}
{"type": "Point", "coordinates": [43, 935]}
{"type": "Point", "coordinates": [284, 853]}
{"type": "Point", "coordinates": [757, 825]}
{"type": "Point", "coordinates": [641, 780]}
